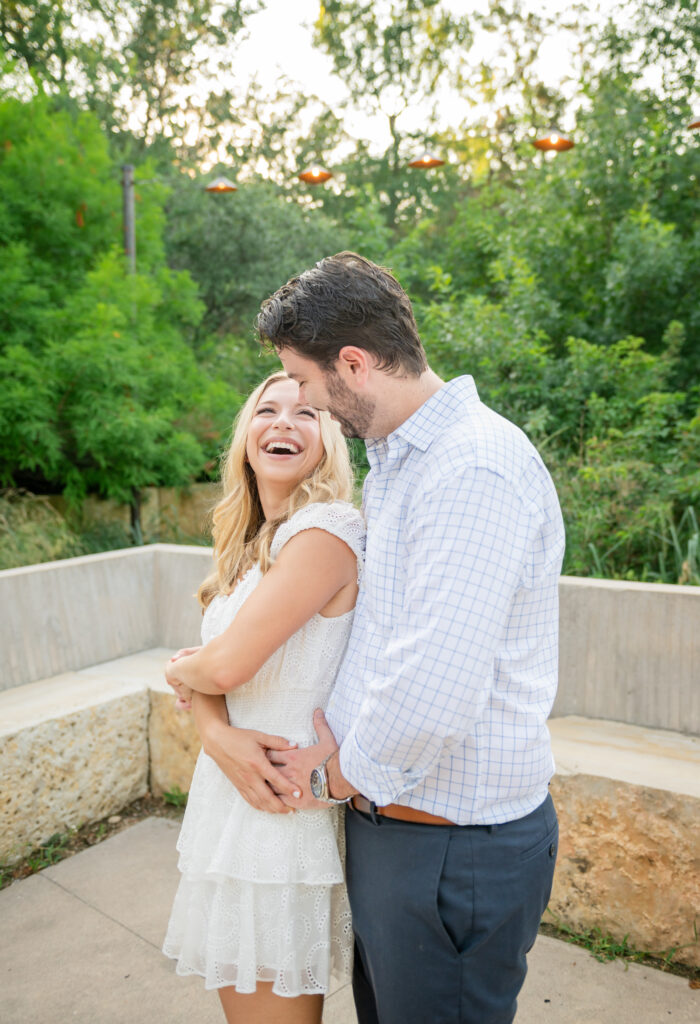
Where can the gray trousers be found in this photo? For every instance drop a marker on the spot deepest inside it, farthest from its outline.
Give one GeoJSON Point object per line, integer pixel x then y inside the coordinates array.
{"type": "Point", "coordinates": [444, 915]}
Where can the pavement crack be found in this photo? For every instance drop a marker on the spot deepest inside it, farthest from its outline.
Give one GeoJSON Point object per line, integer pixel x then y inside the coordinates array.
{"type": "Point", "coordinates": [101, 912]}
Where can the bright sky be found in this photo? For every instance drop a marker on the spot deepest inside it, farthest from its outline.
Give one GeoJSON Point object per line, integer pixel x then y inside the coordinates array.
{"type": "Point", "coordinates": [283, 31]}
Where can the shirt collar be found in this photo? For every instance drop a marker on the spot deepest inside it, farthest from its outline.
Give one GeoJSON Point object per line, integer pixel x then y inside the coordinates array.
{"type": "Point", "coordinates": [428, 421]}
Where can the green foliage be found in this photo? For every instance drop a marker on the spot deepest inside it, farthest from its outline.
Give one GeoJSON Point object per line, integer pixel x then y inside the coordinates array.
{"type": "Point", "coordinates": [175, 797]}
{"type": "Point", "coordinates": [616, 435]}
{"type": "Point", "coordinates": [32, 530]}
{"type": "Point", "coordinates": [391, 56]}
{"type": "Point", "coordinates": [59, 206]}
{"type": "Point", "coordinates": [566, 284]}
{"type": "Point", "coordinates": [50, 852]}
{"type": "Point", "coordinates": [102, 392]}
{"type": "Point", "coordinates": [240, 248]}
{"type": "Point", "coordinates": [141, 56]}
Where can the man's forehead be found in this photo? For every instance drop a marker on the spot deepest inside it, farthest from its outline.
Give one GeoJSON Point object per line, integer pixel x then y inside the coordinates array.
{"type": "Point", "coordinates": [296, 365]}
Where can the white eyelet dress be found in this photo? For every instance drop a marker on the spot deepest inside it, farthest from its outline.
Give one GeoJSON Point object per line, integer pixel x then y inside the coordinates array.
{"type": "Point", "coordinates": [262, 896]}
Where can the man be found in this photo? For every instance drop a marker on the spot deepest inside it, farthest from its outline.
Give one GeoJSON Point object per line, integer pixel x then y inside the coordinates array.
{"type": "Point", "coordinates": [440, 704]}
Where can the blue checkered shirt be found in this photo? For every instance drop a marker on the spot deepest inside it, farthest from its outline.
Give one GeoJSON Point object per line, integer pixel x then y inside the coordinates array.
{"type": "Point", "coordinates": [451, 668]}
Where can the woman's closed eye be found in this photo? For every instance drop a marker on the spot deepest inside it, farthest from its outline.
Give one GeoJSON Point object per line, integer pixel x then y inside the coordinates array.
{"type": "Point", "coordinates": [311, 413]}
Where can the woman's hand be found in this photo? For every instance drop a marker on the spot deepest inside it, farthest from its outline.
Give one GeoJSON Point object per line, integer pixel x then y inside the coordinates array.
{"type": "Point", "coordinates": [183, 693]}
{"type": "Point", "coordinates": [184, 652]}
{"type": "Point", "coordinates": [241, 754]}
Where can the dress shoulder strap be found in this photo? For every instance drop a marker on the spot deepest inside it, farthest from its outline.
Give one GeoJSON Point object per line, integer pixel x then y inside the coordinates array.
{"type": "Point", "coordinates": [340, 518]}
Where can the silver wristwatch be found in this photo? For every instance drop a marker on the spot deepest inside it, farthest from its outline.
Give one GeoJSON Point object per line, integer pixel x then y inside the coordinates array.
{"type": "Point", "coordinates": [318, 782]}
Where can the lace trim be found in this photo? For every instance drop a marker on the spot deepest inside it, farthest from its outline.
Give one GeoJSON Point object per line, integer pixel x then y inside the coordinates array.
{"type": "Point", "coordinates": [340, 518]}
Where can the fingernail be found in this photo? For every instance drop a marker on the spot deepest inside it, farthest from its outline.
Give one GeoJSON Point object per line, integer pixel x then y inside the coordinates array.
{"type": "Point", "coordinates": [297, 793]}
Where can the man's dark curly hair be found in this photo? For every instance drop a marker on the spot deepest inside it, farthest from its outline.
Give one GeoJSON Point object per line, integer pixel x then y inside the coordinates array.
{"type": "Point", "coordinates": [344, 300]}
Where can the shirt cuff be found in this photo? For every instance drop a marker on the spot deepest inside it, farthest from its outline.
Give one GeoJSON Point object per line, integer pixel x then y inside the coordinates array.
{"type": "Point", "coordinates": [378, 782]}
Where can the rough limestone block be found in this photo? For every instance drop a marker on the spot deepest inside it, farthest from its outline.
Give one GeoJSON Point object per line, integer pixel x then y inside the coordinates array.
{"type": "Point", "coordinates": [628, 862]}
{"type": "Point", "coordinates": [174, 743]}
{"type": "Point", "coordinates": [73, 768]}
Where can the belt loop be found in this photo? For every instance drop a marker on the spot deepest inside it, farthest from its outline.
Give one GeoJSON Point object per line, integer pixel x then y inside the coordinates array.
{"type": "Point", "coordinates": [492, 829]}
{"type": "Point", "coordinates": [376, 819]}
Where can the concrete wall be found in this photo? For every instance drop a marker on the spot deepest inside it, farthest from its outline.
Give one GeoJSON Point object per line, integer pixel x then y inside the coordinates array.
{"type": "Point", "coordinates": [64, 616]}
{"type": "Point", "coordinates": [629, 652]}
{"type": "Point", "coordinates": [178, 572]}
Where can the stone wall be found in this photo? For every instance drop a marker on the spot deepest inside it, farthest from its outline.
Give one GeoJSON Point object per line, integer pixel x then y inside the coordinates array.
{"type": "Point", "coordinates": [73, 749]}
{"type": "Point", "coordinates": [628, 863]}
{"type": "Point", "coordinates": [87, 725]}
{"type": "Point", "coordinates": [170, 514]}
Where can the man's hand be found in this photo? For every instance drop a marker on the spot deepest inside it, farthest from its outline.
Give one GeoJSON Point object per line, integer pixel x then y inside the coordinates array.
{"type": "Point", "coordinates": [241, 754]}
{"type": "Point", "coordinates": [297, 765]}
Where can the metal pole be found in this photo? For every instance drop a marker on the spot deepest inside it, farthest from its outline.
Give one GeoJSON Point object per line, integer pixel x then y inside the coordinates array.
{"type": "Point", "coordinates": [129, 219]}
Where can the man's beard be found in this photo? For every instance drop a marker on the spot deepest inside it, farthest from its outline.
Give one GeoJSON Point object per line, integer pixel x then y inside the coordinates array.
{"type": "Point", "coordinates": [354, 414]}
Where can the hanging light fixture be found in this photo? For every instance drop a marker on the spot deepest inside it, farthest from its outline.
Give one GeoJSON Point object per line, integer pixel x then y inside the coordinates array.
{"type": "Point", "coordinates": [426, 161]}
{"type": "Point", "coordinates": [554, 140]}
{"type": "Point", "coordinates": [315, 175]}
{"type": "Point", "coordinates": [221, 185]}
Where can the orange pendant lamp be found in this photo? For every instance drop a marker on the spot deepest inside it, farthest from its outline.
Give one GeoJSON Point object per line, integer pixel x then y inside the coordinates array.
{"type": "Point", "coordinates": [554, 141]}
{"type": "Point", "coordinates": [221, 185]}
{"type": "Point", "coordinates": [315, 175]}
{"type": "Point", "coordinates": [425, 161]}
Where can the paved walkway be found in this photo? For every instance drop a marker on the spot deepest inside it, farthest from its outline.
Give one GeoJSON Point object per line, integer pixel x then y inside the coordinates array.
{"type": "Point", "coordinates": [80, 943]}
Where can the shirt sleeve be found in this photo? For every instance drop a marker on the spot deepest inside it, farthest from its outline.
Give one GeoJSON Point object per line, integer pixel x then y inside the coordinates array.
{"type": "Point", "coordinates": [468, 549]}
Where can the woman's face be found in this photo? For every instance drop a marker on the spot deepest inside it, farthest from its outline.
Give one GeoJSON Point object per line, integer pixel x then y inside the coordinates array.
{"type": "Point", "coordinates": [284, 443]}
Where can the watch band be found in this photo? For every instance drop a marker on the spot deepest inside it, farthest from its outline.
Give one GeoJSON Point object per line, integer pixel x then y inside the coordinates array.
{"type": "Point", "coordinates": [319, 783]}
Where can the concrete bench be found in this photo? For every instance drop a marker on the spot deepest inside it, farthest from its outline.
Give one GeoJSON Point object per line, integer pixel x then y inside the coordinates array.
{"type": "Point", "coordinates": [87, 725]}
{"type": "Point", "coordinates": [82, 745]}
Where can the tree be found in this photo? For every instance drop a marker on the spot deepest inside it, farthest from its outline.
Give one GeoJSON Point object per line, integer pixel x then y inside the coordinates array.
{"type": "Point", "coordinates": [391, 56]}
{"type": "Point", "coordinates": [241, 248]}
{"type": "Point", "coordinates": [132, 62]}
{"type": "Point", "coordinates": [101, 392]}
{"type": "Point", "coordinates": [59, 206]}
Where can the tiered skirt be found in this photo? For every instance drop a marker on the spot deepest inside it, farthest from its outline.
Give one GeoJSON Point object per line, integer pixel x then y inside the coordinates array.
{"type": "Point", "coordinates": [262, 896]}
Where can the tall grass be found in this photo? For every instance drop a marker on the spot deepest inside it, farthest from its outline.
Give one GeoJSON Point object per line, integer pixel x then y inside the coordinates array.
{"type": "Point", "coordinates": [674, 555]}
{"type": "Point", "coordinates": [32, 530]}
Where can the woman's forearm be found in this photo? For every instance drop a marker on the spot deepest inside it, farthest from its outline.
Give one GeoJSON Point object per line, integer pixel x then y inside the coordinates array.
{"type": "Point", "coordinates": [203, 671]}
{"type": "Point", "coordinates": [210, 713]}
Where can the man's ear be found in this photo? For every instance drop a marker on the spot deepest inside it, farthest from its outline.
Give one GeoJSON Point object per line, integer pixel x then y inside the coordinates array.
{"type": "Point", "coordinates": [355, 363]}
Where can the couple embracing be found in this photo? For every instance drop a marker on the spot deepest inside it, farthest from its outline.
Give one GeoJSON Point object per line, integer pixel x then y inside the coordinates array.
{"type": "Point", "coordinates": [426, 627]}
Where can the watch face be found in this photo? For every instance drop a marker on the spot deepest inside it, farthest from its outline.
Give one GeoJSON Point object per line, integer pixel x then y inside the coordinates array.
{"type": "Point", "coordinates": [316, 783]}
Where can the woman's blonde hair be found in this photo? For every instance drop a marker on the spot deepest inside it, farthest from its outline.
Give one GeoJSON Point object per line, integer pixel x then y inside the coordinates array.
{"type": "Point", "coordinates": [242, 536]}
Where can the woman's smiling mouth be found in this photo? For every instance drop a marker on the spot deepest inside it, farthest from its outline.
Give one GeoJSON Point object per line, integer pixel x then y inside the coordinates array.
{"type": "Point", "coordinates": [279, 447]}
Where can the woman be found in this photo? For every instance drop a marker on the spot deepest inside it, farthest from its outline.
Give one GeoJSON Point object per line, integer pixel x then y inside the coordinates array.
{"type": "Point", "coordinates": [261, 911]}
